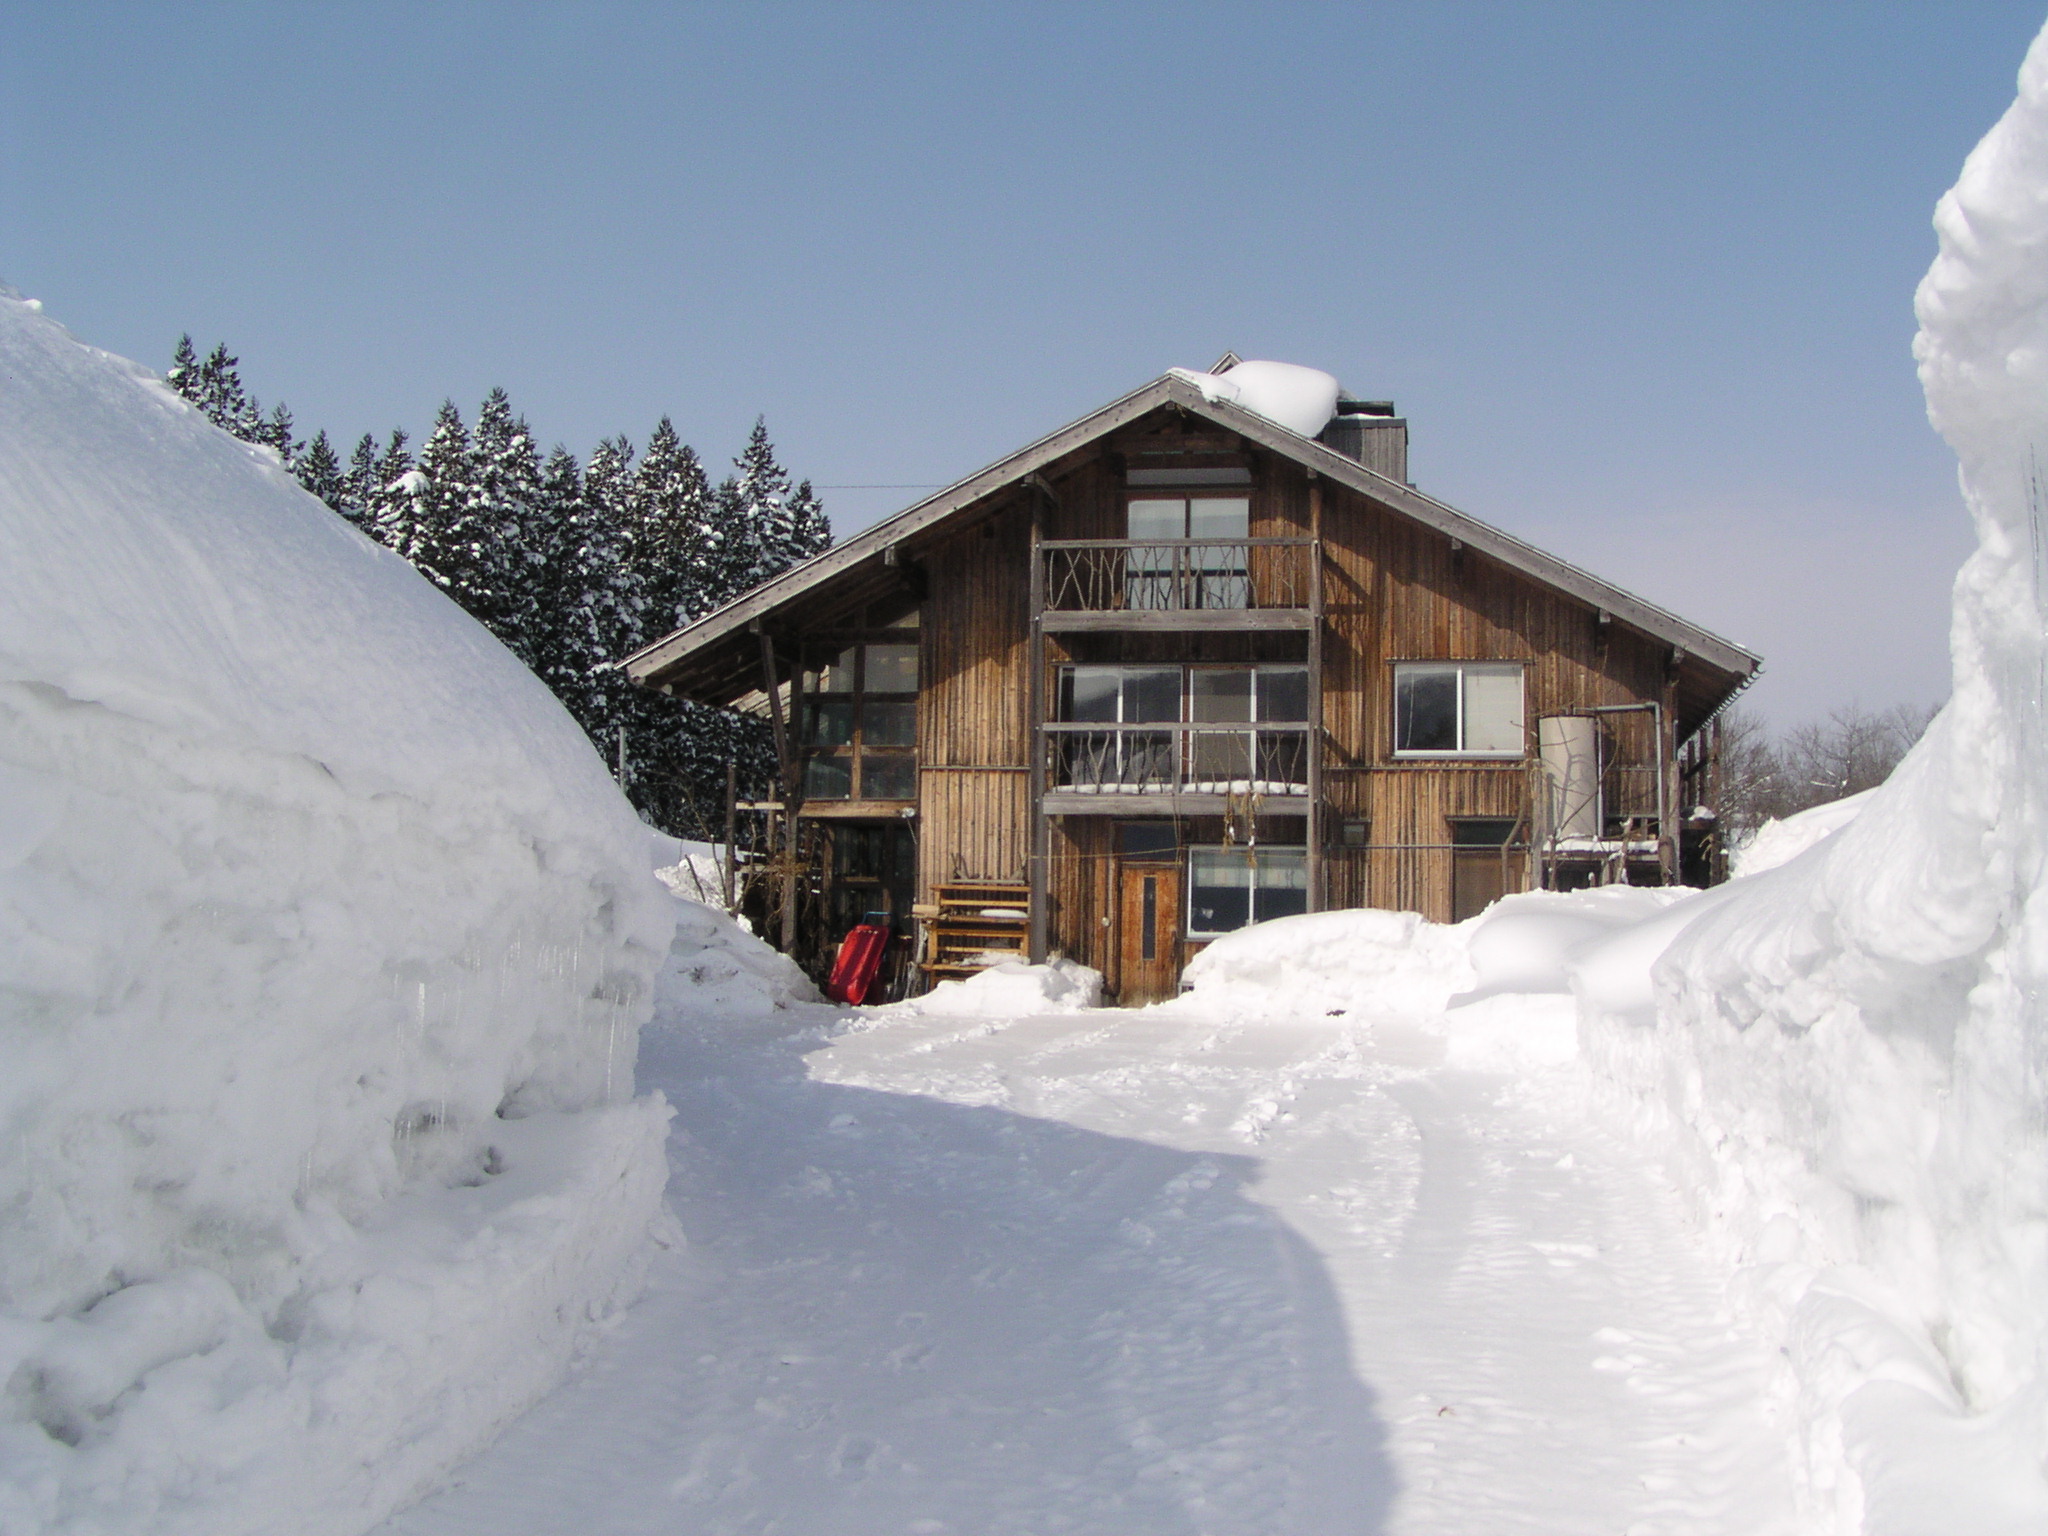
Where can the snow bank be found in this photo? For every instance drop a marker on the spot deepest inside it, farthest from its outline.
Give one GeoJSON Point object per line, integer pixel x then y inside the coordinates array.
{"type": "Point", "coordinates": [1849, 1052]}
{"type": "Point", "coordinates": [1300, 399]}
{"type": "Point", "coordinates": [1782, 839]}
{"type": "Point", "coordinates": [716, 968]}
{"type": "Point", "coordinates": [1009, 990]}
{"type": "Point", "coordinates": [324, 941]}
{"type": "Point", "coordinates": [1359, 961]}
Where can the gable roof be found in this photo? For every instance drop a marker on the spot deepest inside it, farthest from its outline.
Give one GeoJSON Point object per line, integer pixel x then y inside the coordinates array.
{"type": "Point", "coordinates": [874, 545]}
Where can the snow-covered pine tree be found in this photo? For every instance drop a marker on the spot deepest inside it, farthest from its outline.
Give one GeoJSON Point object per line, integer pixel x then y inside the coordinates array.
{"type": "Point", "coordinates": [319, 471]}
{"type": "Point", "coordinates": [503, 529]}
{"type": "Point", "coordinates": [767, 526]}
{"type": "Point", "coordinates": [390, 507]}
{"type": "Point", "coordinates": [359, 489]}
{"type": "Point", "coordinates": [670, 532]}
{"type": "Point", "coordinates": [440, 489]}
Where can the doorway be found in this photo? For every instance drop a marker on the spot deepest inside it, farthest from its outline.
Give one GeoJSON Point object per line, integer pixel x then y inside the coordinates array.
{"type": "Point", "coordinates": [1148, 921]}
{"type": "Point", "coordinates": [1479, 864]}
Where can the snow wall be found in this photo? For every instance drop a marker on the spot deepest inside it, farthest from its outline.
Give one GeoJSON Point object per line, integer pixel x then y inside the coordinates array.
{"type": "Point", "coordinates": [324, 945]}
{"type": "Point", "coordinates": [1850, 1051]}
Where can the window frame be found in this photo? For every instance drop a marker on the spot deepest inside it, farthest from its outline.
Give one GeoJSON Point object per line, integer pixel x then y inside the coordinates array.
{"type": "Point", "coordinates": [855, 751]}
{"type": "Point", "coordinates": [1296, 853]}
{"type": "Point", "coordinates": [1462, 667]}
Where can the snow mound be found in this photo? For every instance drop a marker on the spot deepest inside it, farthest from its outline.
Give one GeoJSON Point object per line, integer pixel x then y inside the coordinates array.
{"type": "Point", "coordinates": [1849, 1052]}
{"type": "Point", "coordinates": [1009, 990]}
{"type": "Point", "coordinates": [1526, 943]}
{"type": "Point", "coordinates": [1782, 839]}
{"type": "Point", "coordinates": [1359, 961]}
{"type": "Point", "coordinates": [1300, 399]}
{"type": "Point", "coordinates": [324, 943]}
{"type": "Point", "coordinates": [716, 968]}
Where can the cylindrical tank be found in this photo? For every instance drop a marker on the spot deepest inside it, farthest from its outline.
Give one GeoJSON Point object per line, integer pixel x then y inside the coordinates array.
{"type": "Point", "coordinates": [1570, 749]}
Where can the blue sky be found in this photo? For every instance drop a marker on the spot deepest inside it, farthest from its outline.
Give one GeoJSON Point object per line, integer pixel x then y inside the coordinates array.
{"type": "Point", "coordinates": [1640, 276]}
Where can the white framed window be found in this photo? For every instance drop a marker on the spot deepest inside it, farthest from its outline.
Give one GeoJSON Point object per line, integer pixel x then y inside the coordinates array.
{"type": "Point", "coordinates": [1231, 888]}
{"type": "Point", "coordinates": [1459, 709]}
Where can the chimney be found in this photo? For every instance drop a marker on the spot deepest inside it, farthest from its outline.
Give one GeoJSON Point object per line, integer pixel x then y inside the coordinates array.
{"type": "Point", "coordinates": [1370, 432]}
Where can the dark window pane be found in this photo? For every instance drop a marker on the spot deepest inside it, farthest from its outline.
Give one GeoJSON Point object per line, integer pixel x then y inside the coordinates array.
{"type": "Point", "coordinates": [1426, 709]}
{"type": "Point", "coordinates": [1219, 890]}
{"type": "Point", "coordinates": [1152, 693]}
{"type": "Point", "coordinates": [888, 776]}
{"type": "Point", "coordinates": [831, 721]}
{"type": "Point", "coordinates": [891, 669]}
{"type": "Point", "coordinates": [889, 723]}
{"type": "Point", "coordinates": [1139, 838]}
{"type": "Point", "coordinates": [1282, 888]}
{"type": "Point", "coordinates": [1283, 693]}
{"type": "Point", "coordinates": [1481, 832]}
{"type": "Point", "coordinates": [1220, 693]}
{"type": "Point", "coordinates": [1090, 693]}
{"type": "Point", "coordinates": [828, 778]}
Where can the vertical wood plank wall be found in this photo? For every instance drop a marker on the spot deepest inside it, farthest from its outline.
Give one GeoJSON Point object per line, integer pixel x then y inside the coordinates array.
{"type": "Point", "coordinates": [1393, 591]}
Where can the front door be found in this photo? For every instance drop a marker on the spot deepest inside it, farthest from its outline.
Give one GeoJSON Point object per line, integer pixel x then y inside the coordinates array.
{"type": "Point", "coordinates": [1148, 924]}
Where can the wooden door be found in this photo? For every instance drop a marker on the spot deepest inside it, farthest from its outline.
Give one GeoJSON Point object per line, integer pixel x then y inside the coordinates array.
{"type": "Point", "coordinates": [1148, 925]}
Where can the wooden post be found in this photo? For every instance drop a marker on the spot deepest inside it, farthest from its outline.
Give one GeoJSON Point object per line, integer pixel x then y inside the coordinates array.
{"type": "Point", "coordinates": [1041, 832]}
{"type": "Point", "coordinates": [786, 761]}
{"type": "Point", "coordinates": [732, 832]}
{"type": "Point", "coordinates": [1318, 896]}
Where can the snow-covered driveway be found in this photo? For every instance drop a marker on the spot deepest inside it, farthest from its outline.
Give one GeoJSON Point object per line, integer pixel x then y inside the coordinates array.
{"type": "Point", "coordinates": [1143, 1272]}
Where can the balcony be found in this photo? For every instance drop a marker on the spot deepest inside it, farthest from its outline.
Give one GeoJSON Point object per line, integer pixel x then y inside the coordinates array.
{"type": "Point", "coordinates": [1176, 584]}
{"type": "Point", "coordinates": [1181, 768]}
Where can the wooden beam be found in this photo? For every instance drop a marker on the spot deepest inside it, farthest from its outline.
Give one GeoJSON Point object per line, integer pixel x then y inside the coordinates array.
{"type": "Point", "coordinates": [1175, 620]}
{"type": "Point", "coordinates": [1316, 897]}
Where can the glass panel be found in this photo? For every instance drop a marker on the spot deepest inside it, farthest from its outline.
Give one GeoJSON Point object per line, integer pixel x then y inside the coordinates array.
{"type": "Point", "coordinates": [1493, 710]}
{"type": "Point", "coordinates": [1147, 761]}
{"type": "Point", "coordinates": [1220, 759]}
{"type": "Point", "coordinates": [831, 721]}
{"type": "Point", "coordinates": [1165, 519]}
{"type": "Point", "coordinates": [1090, 693]}
{"type": "Point", "coordinates": [1220, 693]}
{"type": "Point", "coordinates": [838, 676]}
{"type": "Point", "coordinates": [1425, 709]}
{"type": "Point", "coordinates": [828, 778]}
{"type": "Point", "coordinates": [1148, 937]}
{"type": "Point", "coordinates": [1220, 517]}
{"type": "Point", "coordinates": [1283, 694]}
{"type": "Point", "coordinates": [1138, 839]}
{"type": "Point", "coordinates": [888, 723]}
{"type": "Point", "coordinates": [888, 776]}
{"type": "Point", "coordinates": [1282, 888]}
{"type": "Point", "coordinates": [1217, 475]}
{"type": "Point", "coordinates": [1283, 757]}
{"type": "Point", "coordinates": [1151, 693]}
{"type": "Point", "coordinates": [891, 669]}
{"type": "Point", "coordinates": [1219, 890]}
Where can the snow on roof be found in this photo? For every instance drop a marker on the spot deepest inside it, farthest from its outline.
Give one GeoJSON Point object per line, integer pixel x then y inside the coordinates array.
{"type": "Point", "coordinates": [1300, 399]}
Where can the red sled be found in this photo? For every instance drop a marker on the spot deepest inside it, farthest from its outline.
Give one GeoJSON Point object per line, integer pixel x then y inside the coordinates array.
{"type": "Point", "coordinates": [860, 958]}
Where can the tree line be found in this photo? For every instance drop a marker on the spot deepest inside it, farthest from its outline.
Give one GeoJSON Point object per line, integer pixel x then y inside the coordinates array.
{"type": "Point", "coordinates": [1766, 776]}
{"type": "Point", "coordinates": [571, 565]}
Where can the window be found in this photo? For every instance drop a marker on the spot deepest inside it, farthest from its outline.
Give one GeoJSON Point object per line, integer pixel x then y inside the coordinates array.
{"type": "Point", "coordinates": [1229, 888]}
{"type": "Point", "coordinates": [1212, 574]}
{"type": "Point", "coordinates": [1267, 761]}
{"type": "Point", "coordinates": [1469, 708]}
{"type": "Point", "coordinates": [860, 724]}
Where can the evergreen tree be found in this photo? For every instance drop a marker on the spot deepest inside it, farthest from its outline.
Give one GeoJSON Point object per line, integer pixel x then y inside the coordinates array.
{"type": "Point", "coordinates": [319, 471]}
{"type": "Point", "coordinates": [766, 525]}
{"type": "Point", "coordinates": [439, 492]}
{"type": "Point", "coordinates": [502, 528]}
{"type": "Point", "coordinates": [671, 542]}
{"type": "Point", "coordinates": [360, 483]}
{"type": "Point", "coordinates": [389, 508]}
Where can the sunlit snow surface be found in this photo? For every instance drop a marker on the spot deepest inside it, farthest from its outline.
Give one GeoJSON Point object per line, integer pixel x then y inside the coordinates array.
{"type": "Point", "coordinates": [1189, 1269]}
{"type": "Point", "coordinates": [324, 944]}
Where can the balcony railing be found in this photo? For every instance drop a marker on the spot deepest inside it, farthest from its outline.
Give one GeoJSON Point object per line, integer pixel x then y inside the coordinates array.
{"type": "Point", "coordinates": [1146, 577]}
{"type": "Point", "coordinates": [1177, 758]}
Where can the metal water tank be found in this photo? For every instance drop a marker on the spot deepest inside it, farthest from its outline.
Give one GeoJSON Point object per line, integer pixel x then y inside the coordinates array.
{"type": "Point", "coordinates": [1570, 748]}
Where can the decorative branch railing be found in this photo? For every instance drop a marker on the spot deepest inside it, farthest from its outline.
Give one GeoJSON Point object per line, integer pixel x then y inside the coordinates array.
{"type": "Point", "coordinates": [1175, 575]}
{"type": "Point", "coordinates": [1177, 757]}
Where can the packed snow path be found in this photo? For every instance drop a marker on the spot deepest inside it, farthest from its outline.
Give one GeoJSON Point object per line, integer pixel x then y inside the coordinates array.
{"type": "Point", "coordinates": [1137, 1273]}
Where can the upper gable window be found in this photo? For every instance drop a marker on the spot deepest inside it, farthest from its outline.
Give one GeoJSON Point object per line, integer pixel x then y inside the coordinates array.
{"type": "Point", "coordinates": [1459, 708]}
{"type": "Point", "coordinates": [1163, 570]}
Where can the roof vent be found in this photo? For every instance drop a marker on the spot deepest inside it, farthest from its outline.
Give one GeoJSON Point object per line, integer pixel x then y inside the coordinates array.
{"type": "Point", "coordinates": [1370, 432]}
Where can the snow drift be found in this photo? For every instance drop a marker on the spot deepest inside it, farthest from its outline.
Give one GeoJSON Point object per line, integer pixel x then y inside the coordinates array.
{"type": "Point", "coordinates": [1850, 1051]}
{"type": "Point", "coordinates": [324, 941]}
{"type": "Point", "coordinates": [1300, 399]}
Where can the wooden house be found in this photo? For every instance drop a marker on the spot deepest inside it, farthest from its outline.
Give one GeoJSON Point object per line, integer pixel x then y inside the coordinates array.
{"type": "Point", "coordinates": [1176, 668]}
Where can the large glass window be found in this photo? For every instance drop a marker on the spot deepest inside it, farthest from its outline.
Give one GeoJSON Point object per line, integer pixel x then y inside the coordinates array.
{"type": "Point", "coordinates": [860, 724]}
{"type": "Point", "coordinates": [1215, 761]}
{"type": "Point", "coordinates": [1212, 574]}
{"type": "Point", "coordinates": [1467, 708]}
{"type": "Point", "coordinates": [1229, 888]}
